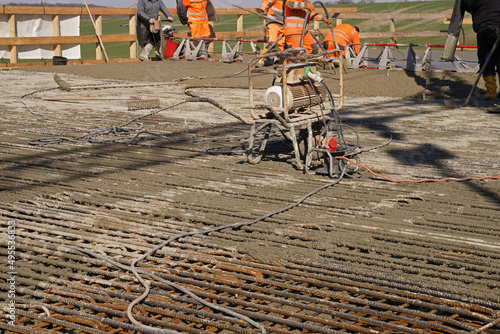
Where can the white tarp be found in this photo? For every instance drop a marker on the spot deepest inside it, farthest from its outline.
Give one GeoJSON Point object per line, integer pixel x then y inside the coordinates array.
{"type": "Point", "coordinates": [41, 26]}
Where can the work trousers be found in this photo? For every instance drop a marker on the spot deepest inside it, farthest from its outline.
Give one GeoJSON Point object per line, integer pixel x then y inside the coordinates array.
{"type": "Point", "coordinates": [273, 33]}
{"type": "Point", "coordinates": [293, 41]}
{"type": "Point", "coordinates": [145, 36]}
{"type": "Point", "coordinates": [485, 40]}
{"type": "Point", "coordinates": [199, 29]}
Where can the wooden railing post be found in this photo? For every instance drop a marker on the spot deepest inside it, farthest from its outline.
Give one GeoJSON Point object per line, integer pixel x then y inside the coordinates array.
{"type": "Point", "coordinates": [56, 32]}
{"type": "Point", "coordinates": [132, 30]}
{"type": "Point", "coordinates": [392, 29]}
{"type": "Point", "coordinates": [211, 45]}
{"type": "Point", "coordinates": [12, 33]}
{"type": "Point", "coordinates": [98, 25]}
{"type": "Point", "coordinates": [239, 22]}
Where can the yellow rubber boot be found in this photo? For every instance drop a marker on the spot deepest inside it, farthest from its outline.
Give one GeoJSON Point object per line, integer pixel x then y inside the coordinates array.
{"type": "Point", "coordinates": [261, 60]}
{"type": "Point", "coordinates": [490, 81]}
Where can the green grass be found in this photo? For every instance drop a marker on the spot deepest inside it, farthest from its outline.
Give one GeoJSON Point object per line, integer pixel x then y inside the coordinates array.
{"type": "Point", "coordinates": [409, 25]}
{"type": "Point", "coordinates": [110, 26]}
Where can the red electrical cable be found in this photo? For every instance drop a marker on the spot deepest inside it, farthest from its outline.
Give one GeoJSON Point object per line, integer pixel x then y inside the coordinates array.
{"type": "Point", "coordinates": [418, 181]}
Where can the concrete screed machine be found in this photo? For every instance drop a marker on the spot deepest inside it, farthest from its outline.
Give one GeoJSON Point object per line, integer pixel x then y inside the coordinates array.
{"type": "Point", "coordinates": [301, 106]}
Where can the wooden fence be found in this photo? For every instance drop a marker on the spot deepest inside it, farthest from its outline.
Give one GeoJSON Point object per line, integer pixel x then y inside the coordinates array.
{"type": "Point", "coordinates": [338, 13]}
{"type": "Point", "coordinates": [57, 40]}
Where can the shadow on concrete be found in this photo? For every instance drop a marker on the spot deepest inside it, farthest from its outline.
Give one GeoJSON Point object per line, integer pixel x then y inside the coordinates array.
{"type": "Point", "coordinates": [435, 86]}
{"type": "Point", "coordinates": [186, 144]}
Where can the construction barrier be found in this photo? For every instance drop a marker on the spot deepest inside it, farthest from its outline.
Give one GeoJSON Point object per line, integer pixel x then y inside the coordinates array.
{"type": "Point", "coordinates": [194, 48]}
{"type": "Point", "coordinates": [412, 62]}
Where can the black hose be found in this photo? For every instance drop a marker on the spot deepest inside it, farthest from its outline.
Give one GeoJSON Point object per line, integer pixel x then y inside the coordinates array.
{"type": "Point", "coordinates": [304, 28]}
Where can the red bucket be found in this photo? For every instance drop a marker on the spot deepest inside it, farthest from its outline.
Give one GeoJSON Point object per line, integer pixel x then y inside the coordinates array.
{"type": "Point", "coordinates": [170, 48]}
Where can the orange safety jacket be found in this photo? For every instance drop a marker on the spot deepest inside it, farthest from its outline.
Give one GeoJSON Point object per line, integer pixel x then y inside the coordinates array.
{"type": "Point", "coordinates": [295, 16]}
{"type": "Point", "coordinates": [195, 11]}
{"type": "Point", "coordinates": [345, 34]}
{"type": "Point", "coordinates": [273, 8]}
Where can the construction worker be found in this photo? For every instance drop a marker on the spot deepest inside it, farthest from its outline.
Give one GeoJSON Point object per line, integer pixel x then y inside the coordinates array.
{"type": "Point", "coordinates": [345, 34]}
{"type": "Point", "coordinates": [148, 26]}
{"type": "Point", "coordinates": [486, 25]}
{"type": "Point", "coordinates": [297, 13]}
{"type": "Point", "coordinates": [272, 11]}
{"type": "Point", "coordinates": [197, 14]}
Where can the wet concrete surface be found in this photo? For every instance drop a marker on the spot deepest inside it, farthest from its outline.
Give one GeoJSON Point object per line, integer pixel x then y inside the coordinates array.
{"type": "Point", "coordinates": [187, 171]}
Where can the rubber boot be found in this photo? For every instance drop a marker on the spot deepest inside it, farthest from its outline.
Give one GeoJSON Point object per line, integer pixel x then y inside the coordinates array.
{"type": "Point", "coordinates": [144, 56]}
{"type": "Point", "coordinates": [315, 48]}
{"type": "Point", "coordinates": [261, 60]}
{"type": "Point", "coordinates": [491, 86]}
{"type": "Point", "coordinates": [157, 53]}
{"type": "Point", "coordinates": [204, 50]}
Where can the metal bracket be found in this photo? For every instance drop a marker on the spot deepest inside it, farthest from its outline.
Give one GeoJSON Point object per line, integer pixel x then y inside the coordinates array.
{"type": "Point", "coordinates": [229, 54]}
{"type": "Point", "coordinates": [188, 50]}
{"type": "Point", "coordinates": [462, 66]}
{"type": "Point", "coordinates": [350, 57]}
{"type": "Point", "coordinates": [387, 59]}
{"type": "Point", "coordinates": [178, 52]}
{"type": "Point", "coordinates": [414, 64]}
{"type": "Point", "coordinates": [359, 60]}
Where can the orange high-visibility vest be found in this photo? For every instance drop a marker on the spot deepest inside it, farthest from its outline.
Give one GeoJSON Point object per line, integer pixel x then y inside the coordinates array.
{"type": "Point", "coordinates": [275, 30]}
{"type": "Point", "coordinates": [196, 10]}
{"type": "Point", "coordinates": [295, 16]}
{"type": "Point", "coordinates": [345, 34]}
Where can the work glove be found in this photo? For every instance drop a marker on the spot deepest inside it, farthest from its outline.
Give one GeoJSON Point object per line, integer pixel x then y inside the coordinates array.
{"type": "Point", "coordinates": [261, 13]}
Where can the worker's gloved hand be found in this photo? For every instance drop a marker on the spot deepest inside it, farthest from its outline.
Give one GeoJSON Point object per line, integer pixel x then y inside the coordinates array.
{"type": "Point", "coordinates": [329, 21]}
{"type": "Point", "coordinates": [261, 13]}
{"type": "Point", "coordinates": [170, 18]}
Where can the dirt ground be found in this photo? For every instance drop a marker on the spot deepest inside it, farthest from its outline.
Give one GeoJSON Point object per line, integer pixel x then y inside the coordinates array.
{"type": "Point", "coordinates": [368, 83]}
{"type": "Point", "coordinates": [189, 168]}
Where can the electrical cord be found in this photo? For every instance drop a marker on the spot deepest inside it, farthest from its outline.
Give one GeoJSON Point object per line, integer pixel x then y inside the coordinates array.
{"type": "Point", "coordinates": [89, 137]}
{"type": "Point", "coordinates": [116, 130]}
{"type": "Point", "coordinates": [33, 93]}
{"type": "Point", "coordinates": [421, 180]}
{"type": "Point", "coordinates": [137, 271]}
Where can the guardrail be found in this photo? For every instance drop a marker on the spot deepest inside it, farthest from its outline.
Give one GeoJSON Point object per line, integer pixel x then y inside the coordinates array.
{"type": "Point", "coordinates": [339, 13]}
{"type": "Point", "coordinates": [392, 34]}
{"type": "Point", "coordinates": [57, 40]}
{"type": "Point", "coordinates": [412, 61]}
